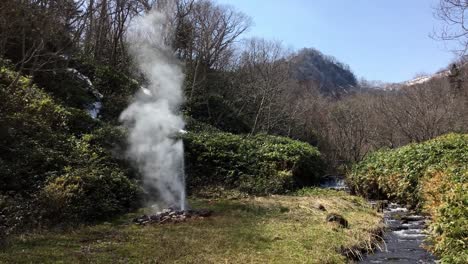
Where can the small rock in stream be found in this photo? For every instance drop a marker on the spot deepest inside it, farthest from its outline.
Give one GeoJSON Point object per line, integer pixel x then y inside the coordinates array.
{"type": "Point", "coordinates": [411, 218]}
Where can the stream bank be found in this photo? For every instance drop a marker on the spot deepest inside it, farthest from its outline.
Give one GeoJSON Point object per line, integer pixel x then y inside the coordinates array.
{"type": "Point", "coordinates": [404, 234]}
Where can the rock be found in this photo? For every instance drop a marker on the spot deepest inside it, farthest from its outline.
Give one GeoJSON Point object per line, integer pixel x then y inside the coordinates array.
{"type": "Point", "coordinates": [397, 216]}
{"type": "Point", "coordinates": [398, 228]}
{"type": "Point", "coordinates": [166, 211]}
{"type": "Point", "coordinates": [172, 216]}
{"type": "Point", "coordinates": [321, 207]}
{"type": "Point", "coordinates": [276, 238]}
{"type": "Point", "coordinates": [155, 218]}
{"type": "Point", "coordinates": [410, 218]}
{"type": "Point", "coordinates": [204, 213]}
{"type": "Point", "coordinates": [380, 205]}
{"type": "Point", "coordinates": [342, 222]}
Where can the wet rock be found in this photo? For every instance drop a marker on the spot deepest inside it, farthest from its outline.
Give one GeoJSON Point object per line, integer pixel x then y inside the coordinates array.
{"type": "Point", "coordinates": [339, 219]}
{"type": "Point", "coordinates": [399, 227]}
{"type": "Point", "coordinates": [381, 205]}
{"type": "Point", "coordinates": [411, 218]}
{"type": "Point", "coordinates": [205, 213]}
{"type": "Point", "coordinates": [155, 218]}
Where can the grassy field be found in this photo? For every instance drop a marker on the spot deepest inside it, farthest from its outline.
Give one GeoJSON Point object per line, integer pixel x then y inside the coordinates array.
{"type": "Point", "coordinates": [275, 229]}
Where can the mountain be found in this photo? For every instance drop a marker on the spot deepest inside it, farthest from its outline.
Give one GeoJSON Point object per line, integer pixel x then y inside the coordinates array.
{"type": "Point", "coordinates": [426, 78]}
{"type": "Point", "coordinates": [453, 72]}
{"type": "Point", "coordinates": [330, 76]}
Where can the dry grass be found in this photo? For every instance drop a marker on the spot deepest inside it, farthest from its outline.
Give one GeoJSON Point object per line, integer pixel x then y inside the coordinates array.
{"type": "Point", "coordinates": [276, 229]}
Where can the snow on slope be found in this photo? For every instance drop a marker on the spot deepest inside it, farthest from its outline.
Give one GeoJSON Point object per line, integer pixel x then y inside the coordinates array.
{"type": "Point", "coordinates": [426, 78]}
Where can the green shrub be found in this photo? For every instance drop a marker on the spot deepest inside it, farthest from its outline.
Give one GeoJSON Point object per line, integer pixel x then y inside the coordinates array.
{"type": "Point", "coordinates": [18, 212]}
{"type": "Point", "coordinates": [432, 176]}
{"type": "Point", "coordinates": [110, 143]}
{"type": "Point", "coordinates": [260, 164]}
{"type": "Point", "coordinates": [197, 126]}
{"type": "Point", "coordinates": [89, 193]}
{"type": "Point", "coordinates": [79, 122]}
{"type": "Point", "coordinates": [65, 87]}
{"type": "Point", "coordinates": [396, 174]}
{"type": "Point", "coordinates": [33, 143]}
{"type": "Point", "coordinates": [56, 162]}
{"type": "Point", "coordinates": [445, 196]}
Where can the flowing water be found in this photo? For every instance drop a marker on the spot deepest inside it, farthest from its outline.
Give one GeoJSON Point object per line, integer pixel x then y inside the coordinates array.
{"type": "Point", "coordinates": [334, 182]}
{"type": "Point", "coordinates": [404, 235]}
{"type": "Point", "coordinates": [403, 239]}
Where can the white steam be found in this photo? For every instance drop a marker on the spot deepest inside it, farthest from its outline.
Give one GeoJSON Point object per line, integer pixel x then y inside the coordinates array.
{"type": "Point", "coordinates": [153, 118]}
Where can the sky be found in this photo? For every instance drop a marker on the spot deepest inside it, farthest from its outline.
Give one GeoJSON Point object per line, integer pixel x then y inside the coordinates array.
{"type": "Point", "coordinates": [379, 39]}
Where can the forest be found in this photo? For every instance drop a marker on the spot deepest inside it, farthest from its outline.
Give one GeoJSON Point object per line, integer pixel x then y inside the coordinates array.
{"type": "Point", "coordinates": [262, 122]}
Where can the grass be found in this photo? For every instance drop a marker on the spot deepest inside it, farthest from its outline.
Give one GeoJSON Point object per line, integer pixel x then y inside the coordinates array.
{"type": "Point", "coordinates": [275, 229]}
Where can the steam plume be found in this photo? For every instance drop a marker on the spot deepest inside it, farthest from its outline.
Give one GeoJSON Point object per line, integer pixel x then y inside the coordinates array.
{"type": "Point", "coordinates": [153, 118]}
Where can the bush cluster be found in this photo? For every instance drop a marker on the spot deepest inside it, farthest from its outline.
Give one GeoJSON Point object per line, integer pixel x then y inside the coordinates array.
{"type": "Point", "coordinates": [56, 163]}
{"type": "Point", "coordinates": [397, 173]}
{"type": "Point", "coordinates": [431, 176]}
{"type": "Point", "coordinates": [260, 164]}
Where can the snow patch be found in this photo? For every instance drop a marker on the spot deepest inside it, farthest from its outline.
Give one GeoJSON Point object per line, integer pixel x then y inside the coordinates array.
{"type": "Point", "coordinates": [90, 85]}
{"type": "Point", "coordinates": [95, 108]}
{"type": "Point", "coordinates": [426, 78]}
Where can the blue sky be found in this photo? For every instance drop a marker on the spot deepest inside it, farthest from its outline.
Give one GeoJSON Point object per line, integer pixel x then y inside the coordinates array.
{"type": "Point", "coordinates": [386, 40]}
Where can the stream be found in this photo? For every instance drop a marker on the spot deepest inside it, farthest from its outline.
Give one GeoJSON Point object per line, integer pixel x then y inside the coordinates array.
{"type": "Point", "coordinates": [404, 234]}
{"type": "Point", "coordinates": [403, 238]}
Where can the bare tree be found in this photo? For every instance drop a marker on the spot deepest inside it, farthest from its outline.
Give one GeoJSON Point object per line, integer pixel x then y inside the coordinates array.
{"type": "Point", "coordinates": [103, 27]}
{"type": "Point", "coordinates": [453, 14]}
{"type": "Point", "coordinates": [36, 33]}
{"type": "Point", "coordinates": [265, 76]}
{"type": "Point", "coordinates": [422, 112]}
{"type": "Point", "coordinates": [209, 32]}
{"type": "Point", "coordinates": [349, 130]}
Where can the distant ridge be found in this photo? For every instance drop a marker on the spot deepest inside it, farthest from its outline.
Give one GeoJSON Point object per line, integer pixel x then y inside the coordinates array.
{"type": "Point", "coordinates": [326, 73]}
